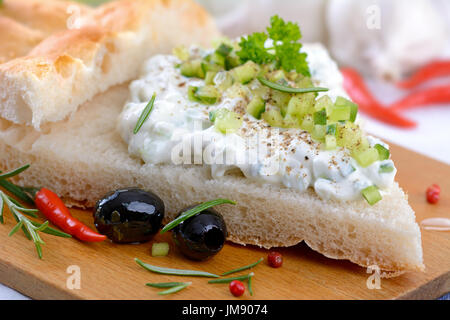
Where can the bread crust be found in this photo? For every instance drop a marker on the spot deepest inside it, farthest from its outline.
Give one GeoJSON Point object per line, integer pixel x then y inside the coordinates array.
{"type": "Point", "coordinates": [83, 160]}
{"type": "Point", "coordinates": [70, 67]}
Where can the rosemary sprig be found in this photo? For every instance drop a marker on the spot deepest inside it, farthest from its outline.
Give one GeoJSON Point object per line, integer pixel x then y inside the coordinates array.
{"type": "Point", "coordinates": [14, 172]}
{"type": "Point", "coordinates": [145, 113]}
{"type": "Point", "coordinates": [227, 280]}
{"type": "Point", "coordinates": [283, 88]}
{"type": "Point", "coordinates": [175, 289]}
{"type": "Point", "coordinates": [177, 272]}
{"type": "Point", "coordinates": [30, 228]}
{"type": "Point", "coordinates": [192, 212]}
{"type": "Point", "coordinates": [164, 284]}
{"type": "Point", "coordinates": [249, 283]}
{"type": "Point", "coordinates": [16, 191]}
{"type": "Point", "coordinates": [242, 268]}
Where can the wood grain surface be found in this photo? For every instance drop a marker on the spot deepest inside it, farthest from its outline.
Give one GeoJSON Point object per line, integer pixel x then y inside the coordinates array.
{"type": "Point", "coordinates": [108, 270]}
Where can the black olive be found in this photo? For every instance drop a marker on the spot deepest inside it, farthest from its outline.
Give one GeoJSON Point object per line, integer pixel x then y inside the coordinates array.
{"type": "Point", "coordinates": [202, 235]}
{"type": "Point", "coordinates": [129, 215]}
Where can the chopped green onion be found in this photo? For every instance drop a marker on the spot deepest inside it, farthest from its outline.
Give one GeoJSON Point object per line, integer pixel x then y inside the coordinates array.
{"type": "Point", "coordinates": [145, 113]}
{"type": "Point", "coordinates": [383, 153]}
{"type": "Point", "coordinates": [320, 117]}
{"type": "Point", "coordinates": [386, 168]}
{"type": "Point", "coordinates": [176, 272]}
{"type": "Point", "coordinates": [192, 212]}
{"type": "Point", "coordinates": [165, 284]}
{"type": "Point", "coordinates": [283, 88]}
{"type": "Point", "coordinates": [242, 268]}
{"type": "Point", "coordinates": [175, 289]}
{"type": "Point", "coordinates": [160, 249]}
{"type": "Point", "coordinates": [371, 194]}
{"type": "Point", "coordinates": [227, 280]}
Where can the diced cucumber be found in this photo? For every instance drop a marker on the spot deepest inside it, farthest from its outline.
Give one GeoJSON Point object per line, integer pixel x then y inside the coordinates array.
{"type": "Point", "coordinates": [341, 101]}
{"type": "Point", "coordinates": [160, 249]}
{"type": "Point", "coordinates": [297, 106]}
{"type": "Point", "coordinates": [371, 194]}
{"type": "Point", "coordinates": [319, 132]}
{"type": "Point", "coordinates": [227, 121]}
{"type": "Point", "coordinates": [181, 52]}
{"type": "Point", "coordinates": [256, 107]}
{"type": "Point", "coordinates": [238, 90]}
{"type": "Point", "coordinates": [223, 80]}
{"type": "Point", "coordinates": [273, 117]}
{"type": "Point", "coordinates": [304, 82]}
{"type": "Point", "coordinates": [281, 100]}
{"type": "Point", "coordinates": [365, 157]}
{"type": "Point", "coordinates": [307, 123]}
{"type": "Point", "coordinates": [209, 78]}
{"type": "Point", "coordinates": [291, 122]}
{"type": "Point", "coordinates": [348, 135]}
{"type": "Point", "coordinates": [332, 129]}
{"type": "Point", "coordinates": [324, 102]}
{"type": "Point", "coordinates": [216, 58]}
{"type": "Point", "coordinates": [276, 76]}
{"type": "Point", "coordinates": [224, 49]}
{"type": "Point", "coordinates": [245, 73]}
{"type": "Point", "coordinates": [206, 94]}
{"type": "Point", "coordinates": [330, 142]}
{"type": "Point", "coordinates": [192, 69]}
{"type": "Point", "coordinates": [320, 117]}
{"type": "Point", "coordinates": [232, 61]}
{"type": "Point", "coordinates": [209, 66]}
{"type": "Point", "coordinates": [383, 153]}
{"type": "Point", "coordinates": [339, 113]}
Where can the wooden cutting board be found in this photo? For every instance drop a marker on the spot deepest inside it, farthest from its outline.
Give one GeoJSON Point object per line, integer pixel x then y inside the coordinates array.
{"type": "Point", "coordinates": [108, 270]}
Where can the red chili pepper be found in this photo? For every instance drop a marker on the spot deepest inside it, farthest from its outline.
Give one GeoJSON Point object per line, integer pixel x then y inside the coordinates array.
{"type": "Point", "coordinates": [432, 70]}
{"type": "Point", "coordinates": [360, 94]}
{"type": "Point", "coordinates": [433, 194]}
{"type": "Point", "coordinates": [429, 96]}
{"type": "Point", "coordinates": [56, 211]}
{"type": "Point", "coordinates": [275, 259]}
{"type": "Point", "coordinates": [237, 288]}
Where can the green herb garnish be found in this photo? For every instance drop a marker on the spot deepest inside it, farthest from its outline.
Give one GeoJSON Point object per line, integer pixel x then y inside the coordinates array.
{"type": "Point", "coordinates": [29, 227]}
{"type": "Point", "coordinates": [285, 51]}
{"type": "Point", "coordinates": [288, 89]}
{"type": "Point", "coordinates": [14, 172]}
{"type": "Point", "coordinates": [165, 284]}
{"type": "Point", "coordinates": [145, 113]}
{"type": "Point", "coordinates": [192, 212]}
{"type": "Point", "coordinates": [227, 280]}
{"type": "Point", "coordinates": [176, 272]}
{"type": "Point", "coordinates": [175, 289]}
{"type": "Point", "coordinates": [242, 268]}
{"type": "Point", "coordinates": [174, 286]}
{"type": "Point", "coordinates": [250, 286]}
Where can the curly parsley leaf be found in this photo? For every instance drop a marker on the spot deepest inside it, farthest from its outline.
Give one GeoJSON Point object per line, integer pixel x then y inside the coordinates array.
{"type": "Point", "coordinates": [286, 46]}
{"type": "Point", "coordinates": [252, 48]}
{"type": "Point", "coordinates": [282, 31]}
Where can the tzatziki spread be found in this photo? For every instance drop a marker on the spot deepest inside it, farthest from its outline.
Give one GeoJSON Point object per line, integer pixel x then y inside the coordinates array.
{"type": "Point", "coordinates": [181, 131]}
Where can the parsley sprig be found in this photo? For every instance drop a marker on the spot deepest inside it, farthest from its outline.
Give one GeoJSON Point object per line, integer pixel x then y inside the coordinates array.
{"type": "Point", "coordinates": [285, 52]}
